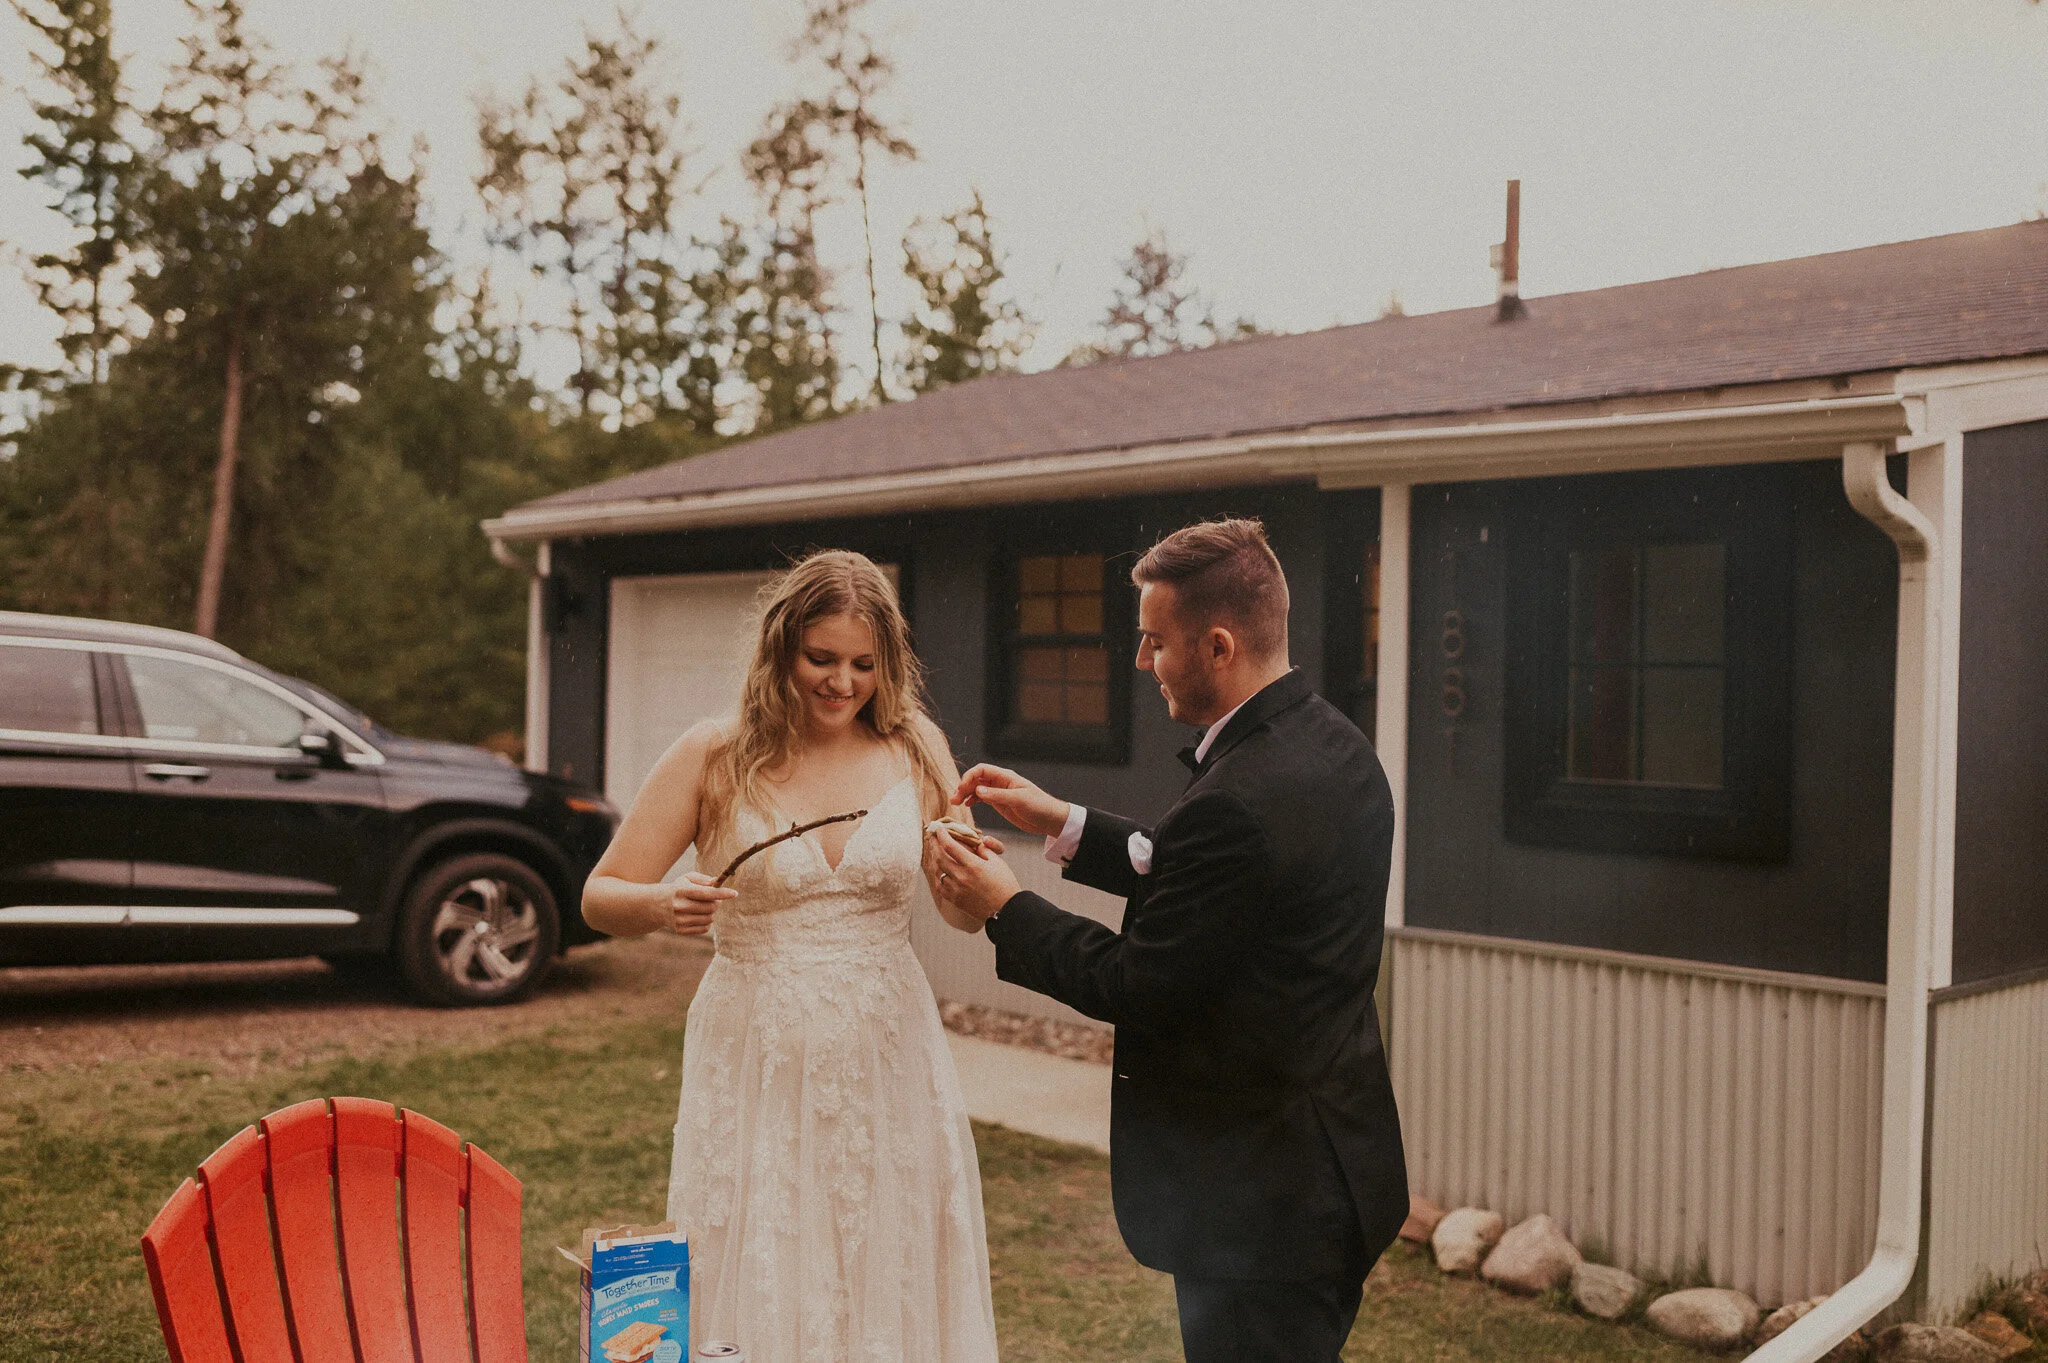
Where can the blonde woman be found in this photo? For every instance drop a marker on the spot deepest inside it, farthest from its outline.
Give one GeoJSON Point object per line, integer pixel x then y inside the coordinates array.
{"type": "Point", "coordinates": [824, 1170]}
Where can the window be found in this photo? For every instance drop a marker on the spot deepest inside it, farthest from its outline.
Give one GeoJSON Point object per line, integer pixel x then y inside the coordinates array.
{"type": "Point", "coordinates": [1060, 636]}
{"type": "Point", "coordinates": [185, 701]}
{"type": "Point", "coordinates": [1647, 679]}
{"type": "Point", "coordinates": [1649, 664]}
{"type": "Point", "coordinates": [47, 690]}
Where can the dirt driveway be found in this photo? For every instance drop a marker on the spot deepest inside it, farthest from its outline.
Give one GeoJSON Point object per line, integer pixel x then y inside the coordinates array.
{"type": "Point", "coordinates": [241, 1018]}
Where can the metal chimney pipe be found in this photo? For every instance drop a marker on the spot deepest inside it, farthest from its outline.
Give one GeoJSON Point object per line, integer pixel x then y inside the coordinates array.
{"type": "Point", "coordinates": [1510, 258]}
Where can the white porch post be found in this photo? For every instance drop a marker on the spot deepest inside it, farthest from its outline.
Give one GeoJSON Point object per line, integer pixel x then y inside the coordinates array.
{"type": "Point", "coordinates": [1934, 482]}
{"type": "Point", "coordinates": [1390, 722]}
{"type": "Point", "coordinates": [537, 662]}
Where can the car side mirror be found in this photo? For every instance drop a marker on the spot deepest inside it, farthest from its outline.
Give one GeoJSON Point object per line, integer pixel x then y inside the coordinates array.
{"type": "Point", "coordinates": [323, 747]}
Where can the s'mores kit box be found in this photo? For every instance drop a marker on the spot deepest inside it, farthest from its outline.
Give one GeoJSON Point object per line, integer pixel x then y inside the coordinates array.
{"type": "Point", "coordinates": [636, 1295]}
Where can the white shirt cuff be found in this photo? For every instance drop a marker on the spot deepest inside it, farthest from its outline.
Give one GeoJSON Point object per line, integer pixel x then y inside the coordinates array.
{"type": "Point", "coordinates": [1140, 850]}
{"type": "Point", "coordinates": [1060, 848]}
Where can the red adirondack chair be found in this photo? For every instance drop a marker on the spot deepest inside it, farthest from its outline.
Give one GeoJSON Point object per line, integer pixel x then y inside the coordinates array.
{"type": "Point", "coordinates": [387, 1284]}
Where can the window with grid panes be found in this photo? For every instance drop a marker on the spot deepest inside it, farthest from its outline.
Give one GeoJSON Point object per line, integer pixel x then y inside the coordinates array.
{"type": "Point", "coordinates": [1062, 670]}
{"type": "Point", "coordinates": [1648, 677]}
{"type": "Point", "coordinates": [1059, 696]}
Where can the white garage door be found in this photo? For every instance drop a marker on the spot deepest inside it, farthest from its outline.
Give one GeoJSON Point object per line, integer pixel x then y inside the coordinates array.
{"type": "Point", "coordinates": [679, 650]}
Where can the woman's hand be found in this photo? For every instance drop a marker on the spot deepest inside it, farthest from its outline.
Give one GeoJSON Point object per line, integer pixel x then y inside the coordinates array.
{"type": "Point", "coordinates": [691, 902]}
{"type": "Point", "coordinates": [968, 884]}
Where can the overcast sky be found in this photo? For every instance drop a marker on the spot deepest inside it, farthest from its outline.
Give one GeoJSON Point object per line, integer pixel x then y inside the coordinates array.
{"type": "Point", "coordinates": [1311, 157]}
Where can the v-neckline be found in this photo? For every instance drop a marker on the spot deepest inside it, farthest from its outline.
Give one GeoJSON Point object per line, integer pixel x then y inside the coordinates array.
{"type": "Point", "coordinates": [812, 841]}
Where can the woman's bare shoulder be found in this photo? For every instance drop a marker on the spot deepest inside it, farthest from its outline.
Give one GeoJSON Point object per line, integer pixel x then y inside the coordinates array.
{"type": "Point", "coordinates": [687, 757]}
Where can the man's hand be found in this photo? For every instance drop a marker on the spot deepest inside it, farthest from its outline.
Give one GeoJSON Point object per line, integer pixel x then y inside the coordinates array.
{"type": "Point", "coordinates": [1013, 797]}
{"type": "Point", "coordinates": [969, 885]}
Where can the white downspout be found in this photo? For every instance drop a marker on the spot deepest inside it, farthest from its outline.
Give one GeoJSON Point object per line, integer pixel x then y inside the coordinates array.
{"type": "Point", "coordinates": [536, 648]}
{"type": "Point", "coordinates": [1916, 732]}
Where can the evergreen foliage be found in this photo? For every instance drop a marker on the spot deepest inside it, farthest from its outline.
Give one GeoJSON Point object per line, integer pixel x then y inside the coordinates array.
{"type": "Point", "coordinates": [1153, 312]}
{"type": "Point", "coordinates": [281, 413]}
{"type": "Point", "coordinates": [965, 327]}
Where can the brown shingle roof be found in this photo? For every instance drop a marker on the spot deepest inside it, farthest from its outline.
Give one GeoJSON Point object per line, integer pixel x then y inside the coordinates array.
{"type": "Point", "coordinates": [1969, 296]}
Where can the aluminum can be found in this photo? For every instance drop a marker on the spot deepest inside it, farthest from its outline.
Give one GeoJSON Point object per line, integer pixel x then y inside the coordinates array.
{"type": "Point", "coordinates": [719, 1351]}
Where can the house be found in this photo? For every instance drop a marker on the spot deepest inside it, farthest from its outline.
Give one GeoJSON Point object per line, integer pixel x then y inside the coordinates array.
{"type": "Point", "coordinates": [1699, 624]}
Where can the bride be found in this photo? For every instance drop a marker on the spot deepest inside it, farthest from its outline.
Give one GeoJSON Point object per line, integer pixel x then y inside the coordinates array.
{"type": "Point", "coordinates": [824, 1170]}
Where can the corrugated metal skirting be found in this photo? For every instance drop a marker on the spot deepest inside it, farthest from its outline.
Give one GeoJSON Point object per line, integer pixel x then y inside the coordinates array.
{"type": "Point", "coordinates": [1987, 1153]}
{"type": "Point", "coordinates": [962, 968]}
{"type": "Point", "coordinates": [1669, 1111]}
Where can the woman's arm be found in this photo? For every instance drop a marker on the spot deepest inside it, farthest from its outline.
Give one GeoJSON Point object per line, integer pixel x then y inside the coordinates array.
{"type": "Point", "coordinates": [624, 896]}
{"type": "Point", "coordinates": [954, 916]}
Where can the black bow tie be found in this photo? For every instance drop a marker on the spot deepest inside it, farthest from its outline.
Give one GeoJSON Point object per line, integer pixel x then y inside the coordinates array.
{"type": "Point", "coordinates": [1188, 759]}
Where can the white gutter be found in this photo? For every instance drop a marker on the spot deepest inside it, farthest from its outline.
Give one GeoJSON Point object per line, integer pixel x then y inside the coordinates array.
{"type": "Point", "coordinates": [1916, 737]}
{"type": "Point", "coordinates": [1334, 459]}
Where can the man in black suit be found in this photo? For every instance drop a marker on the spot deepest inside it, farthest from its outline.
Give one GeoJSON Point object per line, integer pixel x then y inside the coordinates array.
{"type": "Point", "coordinates": [1255, 1153]}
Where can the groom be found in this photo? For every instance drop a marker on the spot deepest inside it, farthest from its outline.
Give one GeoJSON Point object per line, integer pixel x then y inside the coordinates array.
{"type": "Point", "coordinates": [1255, 1151]}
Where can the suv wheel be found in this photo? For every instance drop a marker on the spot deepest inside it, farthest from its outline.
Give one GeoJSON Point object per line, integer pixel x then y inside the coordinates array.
{"type": "Point", "coordinates": [477, 929]}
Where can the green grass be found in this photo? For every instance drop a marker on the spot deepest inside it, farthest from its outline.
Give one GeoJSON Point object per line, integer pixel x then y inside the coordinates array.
{"type": "Point", "coordinates": [87, 1157]}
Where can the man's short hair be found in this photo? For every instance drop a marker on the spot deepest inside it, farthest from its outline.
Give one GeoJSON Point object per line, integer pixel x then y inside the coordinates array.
{"type": "Point", "coordinates": [1223, 573]}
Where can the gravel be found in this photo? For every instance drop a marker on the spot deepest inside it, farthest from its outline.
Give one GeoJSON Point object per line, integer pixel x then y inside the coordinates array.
{"type": "Point", "coordinates": [1074, 1040]}
{"type": "Point", "coordinates": [241, 1018]}
{"type": "Point", "coordinates": [245, 1017]}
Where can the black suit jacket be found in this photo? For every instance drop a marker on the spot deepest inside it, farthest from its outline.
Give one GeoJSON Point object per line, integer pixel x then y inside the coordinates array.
{"type": "Point", "coordinates": [1252, 1129]}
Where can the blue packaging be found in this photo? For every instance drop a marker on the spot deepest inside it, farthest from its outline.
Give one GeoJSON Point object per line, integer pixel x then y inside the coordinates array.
{"type": "Point", "coordinates": [639, 1300]}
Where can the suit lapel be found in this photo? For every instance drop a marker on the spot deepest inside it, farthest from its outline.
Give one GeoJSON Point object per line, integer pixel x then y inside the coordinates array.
{"type": "Point", "coordinates": [1281, 694]}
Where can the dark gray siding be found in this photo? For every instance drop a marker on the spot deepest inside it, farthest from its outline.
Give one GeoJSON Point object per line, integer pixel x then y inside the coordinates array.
{"type": "Point", "coordinates": [2001, 922]}
{"type": "Point", "coordinates": [947, 559]}
{"type": "Point", "coordinates": [1822, 911]}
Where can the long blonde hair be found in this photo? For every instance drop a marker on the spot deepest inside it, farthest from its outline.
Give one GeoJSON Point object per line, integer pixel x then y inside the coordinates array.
{"type": "Point", "coordinates": [824, 583]}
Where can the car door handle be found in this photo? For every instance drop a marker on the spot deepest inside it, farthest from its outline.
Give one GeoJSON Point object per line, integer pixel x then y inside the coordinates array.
{"type": "Point", "coordinates": [165, 771]}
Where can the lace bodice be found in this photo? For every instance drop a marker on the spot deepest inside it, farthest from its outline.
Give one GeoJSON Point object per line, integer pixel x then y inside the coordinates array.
{"type": "Point", "coordinates": [794, 907]}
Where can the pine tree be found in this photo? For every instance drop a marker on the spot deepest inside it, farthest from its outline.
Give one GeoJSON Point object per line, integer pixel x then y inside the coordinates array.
{"type": "Point", "coordinates": [963, 327]}
{"type": "Point", "coordinates": [857, 77]}
{"type": "Point", "coordinates": [584, 180]}
{"type": "Point", "coordinates": [780, 291]}
{"type": "Point", "coordinates": [1153, 312]}
{"type": "Point", "coordinates": [285, 261]}
{"type": "Point", "coordinates": [80, 151]}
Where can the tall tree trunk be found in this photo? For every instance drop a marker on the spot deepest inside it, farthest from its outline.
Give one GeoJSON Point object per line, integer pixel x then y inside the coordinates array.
{"type": "Point", "coordinates": [860, 181]}
{"type": "Point", "coordinates": [214, 566]}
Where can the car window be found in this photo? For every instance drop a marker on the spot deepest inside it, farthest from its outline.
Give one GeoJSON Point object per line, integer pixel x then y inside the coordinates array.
{"type": "Point", "coordinates": [48, 690]}
{"type": "Point", "coordinates": [198, 704]}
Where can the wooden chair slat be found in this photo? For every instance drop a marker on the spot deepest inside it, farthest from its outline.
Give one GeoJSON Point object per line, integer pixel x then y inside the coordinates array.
{"type": "Point", "coordinates": [366, 1141]}
{"type": "Point", "coordinates": [499, 1302]}
{"type": "Point", "coordinates": [180, 1264]}
{"type": "Point", "coordinates": [435, 1175]}
{"type": "Point", "coordinates": [301, 1139]}
{"type": "Point", "coordinates": [341, 1231]}
{"type": "Point", "coordinates": [233, 1179]}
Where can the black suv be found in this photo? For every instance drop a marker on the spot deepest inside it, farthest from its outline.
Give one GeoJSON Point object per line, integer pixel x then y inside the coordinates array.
{"type": "Point", "coordinates": [163, 798]}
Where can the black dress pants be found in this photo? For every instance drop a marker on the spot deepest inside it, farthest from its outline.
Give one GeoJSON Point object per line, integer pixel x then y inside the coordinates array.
{"type": "Point", "coordinates": [1227, 1320]}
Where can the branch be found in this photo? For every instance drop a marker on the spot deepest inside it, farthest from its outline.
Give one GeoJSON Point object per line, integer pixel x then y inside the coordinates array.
{"type": "Point", "coordinates": [797, 831]}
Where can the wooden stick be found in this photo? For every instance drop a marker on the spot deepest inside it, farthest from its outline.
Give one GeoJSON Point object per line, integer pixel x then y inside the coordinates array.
{"type": "Point", "coordinates": [797, 831]}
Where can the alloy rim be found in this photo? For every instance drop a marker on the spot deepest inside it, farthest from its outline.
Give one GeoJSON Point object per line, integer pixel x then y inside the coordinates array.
{"type": "Point", "coordinates": [486, 935]}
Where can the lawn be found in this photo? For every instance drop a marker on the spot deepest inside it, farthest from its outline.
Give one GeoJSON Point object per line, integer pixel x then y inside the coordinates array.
{"type": "Point", "coordinates": [87, 1155]}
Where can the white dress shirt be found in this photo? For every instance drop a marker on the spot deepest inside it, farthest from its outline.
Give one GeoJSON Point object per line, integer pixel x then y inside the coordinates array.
{"type": "Point", "coordinates": [1061, 846]}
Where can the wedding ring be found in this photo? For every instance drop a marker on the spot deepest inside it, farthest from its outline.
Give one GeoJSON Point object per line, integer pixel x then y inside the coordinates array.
{"type": "Point", "coordinates": [945, 875]}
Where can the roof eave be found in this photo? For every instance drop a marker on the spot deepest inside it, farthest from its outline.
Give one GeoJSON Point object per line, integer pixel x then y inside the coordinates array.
{"type": "Point", "coordinates": [1332, 459]}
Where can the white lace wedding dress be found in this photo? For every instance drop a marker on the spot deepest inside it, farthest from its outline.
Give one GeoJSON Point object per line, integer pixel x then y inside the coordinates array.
{"type": "Point", "coordinates": [824, 1170]}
